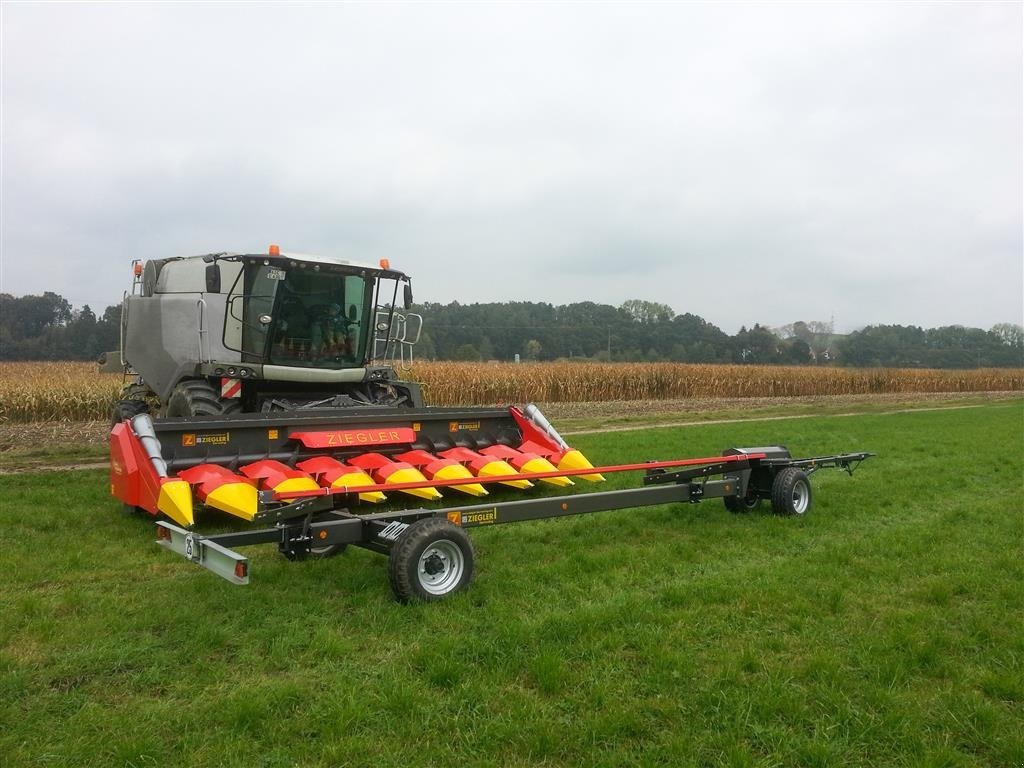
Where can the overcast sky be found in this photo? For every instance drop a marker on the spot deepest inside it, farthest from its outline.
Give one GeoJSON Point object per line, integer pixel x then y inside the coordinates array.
{"type": "Point", "coordinates": [744, 162]}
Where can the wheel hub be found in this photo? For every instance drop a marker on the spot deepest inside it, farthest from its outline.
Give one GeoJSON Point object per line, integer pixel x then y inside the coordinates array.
{"type": "Point", "coordinates": [434, 564]}
{"type": "Point", "coordinates": [440, 567]}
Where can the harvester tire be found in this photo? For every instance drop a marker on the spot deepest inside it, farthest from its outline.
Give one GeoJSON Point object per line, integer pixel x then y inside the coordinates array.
{"type": "Point", "coordinates": [747, 504]}
{"type": "Point", "coordinates": [430, 560]}
{"type": "Point", "coordinates": [127, 409]}
{"type": "Point", "coordinates": [197, 397]}
{"type": "Point", "coordinates": [791, 492]}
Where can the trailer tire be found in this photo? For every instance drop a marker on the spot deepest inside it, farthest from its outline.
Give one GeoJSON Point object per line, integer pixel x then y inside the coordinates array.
{"type": "Point", "coordinates": [197, 397]}
{"type": "Point", "coordinates": [328, 550]}
{"type": "Point", "coordinates": [791, 492]}
{"type": "Point", "coordinates": [747, 504]}
{"type": "Point", "coordinates": [431, 559]}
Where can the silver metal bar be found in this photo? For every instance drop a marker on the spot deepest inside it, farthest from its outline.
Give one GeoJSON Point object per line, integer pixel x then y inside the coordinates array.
{"type": "Point", "coordinates": [218, 559]}
{"type": "Point", "coordinates": [201, 305]}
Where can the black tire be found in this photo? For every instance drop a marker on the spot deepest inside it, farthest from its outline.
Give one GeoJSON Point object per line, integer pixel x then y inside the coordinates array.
{"type": "Point", "coordinates": [127, 409]}
{"type": "Point", "coordinates": [198, 397]}
{"type": "Point", "coordinates": [328, 550]}
{"type": "Point", "coordinates": [431, 559]}
{"type": "Point", "coordinates": [747, 504]}
{"type": "Point", "coordinates": [791, 492]}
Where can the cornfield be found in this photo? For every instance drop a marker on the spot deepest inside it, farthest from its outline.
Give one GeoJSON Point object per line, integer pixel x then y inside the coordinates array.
{"type": "Point", "coordinates": [76, 392]}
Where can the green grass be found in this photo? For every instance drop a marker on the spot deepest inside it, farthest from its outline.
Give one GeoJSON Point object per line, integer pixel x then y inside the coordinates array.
{"type": "Point", "coordinates": [569, 419]}
{"type": "Point", "coordinates": [883, 629]}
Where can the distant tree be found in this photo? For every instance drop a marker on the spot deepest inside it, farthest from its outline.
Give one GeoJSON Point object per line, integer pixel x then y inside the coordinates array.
{"type": "Point", "coordinates": [1009, 334]}
{"type": "Point", "coordinates": [647, 312]}
{"type": "Point", "coordinates": [47, 327]}
{"type": "Point", "coordinates": [758, 345]}
{"type": "Point", "coordinates": [29, 316]}
{"type": "Point", "coordinates": [425, 349]}
{"type": "Point", "coordinates": [466, 352]}
{"type": "Point", "coordinates": [795, 351]}
{"type": "Point", "coordinates": [486, 349]}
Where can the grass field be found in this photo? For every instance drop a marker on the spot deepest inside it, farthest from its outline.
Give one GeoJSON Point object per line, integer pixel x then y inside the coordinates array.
{"type": "Point", "coordinates": [883, 629]}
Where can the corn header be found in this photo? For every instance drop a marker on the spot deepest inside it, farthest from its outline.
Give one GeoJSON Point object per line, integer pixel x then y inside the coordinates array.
{"type": "Point", "coordinates": [265, 387]}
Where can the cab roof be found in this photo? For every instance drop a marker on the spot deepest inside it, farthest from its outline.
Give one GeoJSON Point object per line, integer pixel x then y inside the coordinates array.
{"type": "Point", "coordinates": [313, 259]}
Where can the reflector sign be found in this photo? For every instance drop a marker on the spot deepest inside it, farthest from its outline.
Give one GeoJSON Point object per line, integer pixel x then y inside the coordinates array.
{"type": "Point", "coordinates": [230, 387]}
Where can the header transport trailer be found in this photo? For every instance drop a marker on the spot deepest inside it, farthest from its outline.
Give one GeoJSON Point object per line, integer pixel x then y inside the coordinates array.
{"type": "Point", "coordinates": [264, 387]}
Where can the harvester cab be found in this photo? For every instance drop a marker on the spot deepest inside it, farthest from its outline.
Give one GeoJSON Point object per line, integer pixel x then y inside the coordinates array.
{"type": "Point", "coordinates": [226, 333]}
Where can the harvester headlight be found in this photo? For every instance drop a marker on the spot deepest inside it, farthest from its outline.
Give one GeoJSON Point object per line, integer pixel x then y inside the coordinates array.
{"type": "Point", "coordinates": [243, 372]}
{"type": "Point", "coordinates": [231, 371]}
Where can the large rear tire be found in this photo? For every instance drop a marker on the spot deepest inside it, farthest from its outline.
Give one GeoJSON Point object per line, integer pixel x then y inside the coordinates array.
{"type": "Point", "coordinates": [127, 409]}
{"type": "Point", "coordinates": [198, 397]}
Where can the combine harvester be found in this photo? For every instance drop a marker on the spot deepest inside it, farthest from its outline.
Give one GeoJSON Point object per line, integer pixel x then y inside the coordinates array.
{"type": "Point", "coordinates": [279, 403]}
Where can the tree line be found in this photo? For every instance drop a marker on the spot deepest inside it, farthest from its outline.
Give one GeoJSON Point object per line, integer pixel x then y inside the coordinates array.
{"type": "Point", "coordinates": [47, 327]}
{"type": "Point", "coordinates": [648, 331]}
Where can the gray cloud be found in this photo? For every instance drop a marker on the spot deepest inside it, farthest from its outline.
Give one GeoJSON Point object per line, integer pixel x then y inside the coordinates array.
{"type": "Point", "coordinates": [742, 162]}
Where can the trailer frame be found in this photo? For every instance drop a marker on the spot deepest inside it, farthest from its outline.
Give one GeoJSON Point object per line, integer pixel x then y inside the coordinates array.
{"type": "Point", "coordinates": [320, 523]}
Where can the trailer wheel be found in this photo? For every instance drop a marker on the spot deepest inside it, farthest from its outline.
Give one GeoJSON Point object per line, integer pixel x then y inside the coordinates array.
{"type": "Point", "coordinates": [431, 559]}
{"type": "Point", "coordinates": [791, 492]}
{"type": "Point", "coordinates": [197, 397]}
{"type": "Point", "coordinates": [328, 550]}
{"type": "Point", "coordinates": [747, 504]}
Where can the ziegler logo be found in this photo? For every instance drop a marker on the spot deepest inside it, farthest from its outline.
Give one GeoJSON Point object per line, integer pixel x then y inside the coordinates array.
{"type": "Point", "coordinates": [461, 426]}
{"type": "Point", "coordinates": [345, 437]}
{"type": "Point", "coordinates": [392, 531]}
{"type": "Point", "coordinates": [486, 517]}
{"type": "Point", "coordinates": [190, 439]}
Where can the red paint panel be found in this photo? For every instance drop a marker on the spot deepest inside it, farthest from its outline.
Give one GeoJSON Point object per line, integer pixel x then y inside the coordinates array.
{"type": "Point", "coordinates": [124, 471]}
{"type": "Point", "coordinates": [271, 473]}
{"type": "Point", "coordinates": [534, 434]}
{"type": "Point", "coordinates": [355, 438]}
{"type": "Point", "coordinates": [133, 479]}
{"type": "Point", "coordinates": [209, 477]}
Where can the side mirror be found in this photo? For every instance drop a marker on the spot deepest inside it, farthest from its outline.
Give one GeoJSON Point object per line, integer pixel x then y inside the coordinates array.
{"type": "Point", "coordinates": [213, 278]}
{"type": "Point", "coordinates": [408, 296]}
